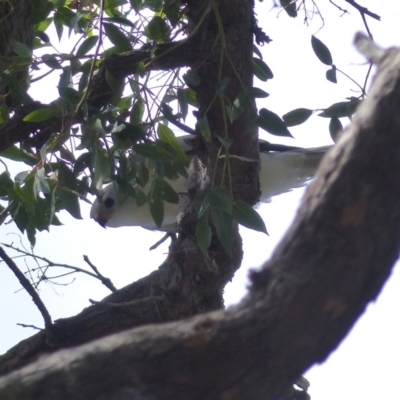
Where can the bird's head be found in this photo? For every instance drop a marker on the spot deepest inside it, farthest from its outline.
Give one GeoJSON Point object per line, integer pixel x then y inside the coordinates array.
{"type": "Point", "coordinates": [103, 209]}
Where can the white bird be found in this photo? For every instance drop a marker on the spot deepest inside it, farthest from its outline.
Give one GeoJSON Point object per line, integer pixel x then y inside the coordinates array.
{"type": "Point", "coordinates": [283, 168]}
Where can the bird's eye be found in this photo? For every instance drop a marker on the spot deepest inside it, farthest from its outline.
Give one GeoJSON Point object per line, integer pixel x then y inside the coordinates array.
{"type": "Point", "coordinates": [108, 202]}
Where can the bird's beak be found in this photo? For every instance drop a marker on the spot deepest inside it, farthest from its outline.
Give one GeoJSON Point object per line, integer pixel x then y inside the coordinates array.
{"type": "Point", "coordinates": [100, 220]}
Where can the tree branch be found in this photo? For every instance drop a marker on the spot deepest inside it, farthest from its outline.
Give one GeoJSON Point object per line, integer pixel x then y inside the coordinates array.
{"type": "Point", "coordinates": [334, 260]}
{"type": "Point", "coordinates": [28, 287]}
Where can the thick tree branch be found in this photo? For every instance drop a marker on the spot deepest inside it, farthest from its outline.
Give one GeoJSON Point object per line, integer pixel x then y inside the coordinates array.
{"type": "Point", "coordinates": [165, 57]}
{"type": "Point", "coordinates": [331, 263]}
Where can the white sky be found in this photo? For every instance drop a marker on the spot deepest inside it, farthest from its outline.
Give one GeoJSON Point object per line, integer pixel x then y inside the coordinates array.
{"type": "Point", "coordinates": [365, 364]}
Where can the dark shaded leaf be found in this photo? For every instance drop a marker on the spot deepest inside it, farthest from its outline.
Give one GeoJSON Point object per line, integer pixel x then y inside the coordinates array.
{"type": "Point", "coordinates": [257, 93]}
{"type": "Point", "coordinates": [203, 234]}
{"type": "Point", "coordinates": [67, 187]}
{"type": "Point", "coordinates": [137, 111]}
{"type": "Point", "coordinates": [168, 193]}
{"type": "Point", "coordinates": [245, 215]}
{"type": "Point", "coordinates": [86, 46]}
{"type": "Point", "coordinates": [155, 152]}
{"type": "Point", "coordinates": [321, 51]}
{"type": "Point", "coordinates": [16, 154]}
{"type": "Point", "coordinates": [204, 128]}
{"type": "Point", "coordinates": [41, 115]}
{"type": "Point", "coordinates": [297, 116]}
{"type": "Point", "coordinates": [335, 127]}
{"type": "Point", "coordinates": [272, 123]}
{"type": "Point", "coordinates": [261, 70]}
{"type": "Point", "coordinates": [331, 74]}
{"type": "Point", "coordinates": [116, 37]}
{"type": "Point", "coordinates": [157, 30]}
{"type": "Point", "coordinates": [51, 61]}
{"type": "Point", "coordinates": [6, 183]}
{"type": "Point", "coordinates": [220, 198]}
{"type": "Point", "coordinates": [156, 203]}
{"type": "Point", "coordinates": [166, 135]}
{"type": "Point", "coordinates": [191, 78]}
{"type": "Point", "coordinates": [341, 109]}
{"type": "Point", "coordinates": [223, 225]}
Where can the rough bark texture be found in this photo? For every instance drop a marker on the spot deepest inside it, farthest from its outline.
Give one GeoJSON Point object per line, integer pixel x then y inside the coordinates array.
{"type": "Point", "coordinates": [187, 283]}
{"type": "Point", "coordinates": [331, 263]}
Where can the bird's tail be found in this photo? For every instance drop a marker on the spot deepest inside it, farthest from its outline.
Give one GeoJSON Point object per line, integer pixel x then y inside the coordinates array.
{"type": "Point", "coordinates": [283, 171]}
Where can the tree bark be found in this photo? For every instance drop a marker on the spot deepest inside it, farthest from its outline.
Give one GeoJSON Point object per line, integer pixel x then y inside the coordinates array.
{"type": "Point", "coordinates": [334, 260]}
{"type": "Point", "coordinates": [187, 283]}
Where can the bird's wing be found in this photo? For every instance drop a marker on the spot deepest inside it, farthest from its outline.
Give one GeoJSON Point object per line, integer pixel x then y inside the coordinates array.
{"type": "Point", "coordinates": [283, 168]}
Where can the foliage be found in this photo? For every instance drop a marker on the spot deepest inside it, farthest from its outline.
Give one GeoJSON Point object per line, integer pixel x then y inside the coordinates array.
{"type": "Point", "coordinates": [85, 143]}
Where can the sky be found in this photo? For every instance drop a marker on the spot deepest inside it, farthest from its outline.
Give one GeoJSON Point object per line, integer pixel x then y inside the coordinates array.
{"type": "Point", "coordinates": [365, 364]}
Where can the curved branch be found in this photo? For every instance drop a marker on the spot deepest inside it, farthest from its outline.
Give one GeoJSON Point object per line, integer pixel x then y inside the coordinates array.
{"type": "Point", "coordinates": [331, 263]}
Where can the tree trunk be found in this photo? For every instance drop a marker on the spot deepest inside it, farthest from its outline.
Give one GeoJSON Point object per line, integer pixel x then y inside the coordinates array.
{"type": "Point", "coordinates": [334, 260]}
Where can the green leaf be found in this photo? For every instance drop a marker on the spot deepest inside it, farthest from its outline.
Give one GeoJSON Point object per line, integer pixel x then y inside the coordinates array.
{"type": "Point", "coordinates": [101, 164]}
{"type": "Point", "coordinates": [261, 70]}
{"type": "Point", "coordinates": [41, 182]}
{"type": "Point", "coordinates": [166, 135]}
{"type": "Point", "coordinates": [41, 115]}
{"type": "Point", "coordinates": [157, 30]}
{"type": "Point", "coordinates": [331, 74]}
{"type": "Point", "coordinates": [245, 215]}
{"type": "Point", "coordinates": [86, 46]}
{"type": "Point", "coordinates": [154, 151]}
{"type": "Point", "coordinates": [116, 37]}
{"type": "Point", "coordinates": [121, 21]}
{"type": "Point", "coordinates": [156, 202]}
{"type": "Point", "coordinates": [341, 109]}
{"type": "Point", "coordinates": [22, 50]}
{"type": "Point", "coordinates": [137, 111]}
{"type": "Point", "coordinates": [191, 78]}
{"type": "Point", "coordinates": [220, 198]}
{"type": "Point", "coordinates": [321, 51]}
{"type": "Point", "coordinates": [204, 128]}
{"type": "Point", "coordinates": [140, 196]}
{"type": "Point", "coordinates": [143, 174]}
{"type": "Point", "coordinates": [125, 135]}
{"type": "Point", "coordinates": [172, 11]}
{"type": "Point", "coordinates": [137, 4]}
{"type": "Point", "coordinates": [297, 116]}
{"type": "Point", "coordinates": [203, 234]}
{"type": "Point", "coordinates": [335, 127]}
{"type": "Point", "coordinates": [40, 10]}
{"type": "Point", "coordinates": [257, 93]}
{"type": "Point", "coordinates": [183, 102]}
{"type": "Point", "coordinates": [67, 188]}
{"type": "Point", "coordinates": [168, 193]}
{"type": "Point", "coordinates": [223, 225]}
{"type": "Point", "coordinates": [16, 154]}
{"type": "Point", "coordinates": [272, 123]}
{"type": "Point", "coordinates": [6, 183]}
{"type": "Point", "coordinates": [51, 61]}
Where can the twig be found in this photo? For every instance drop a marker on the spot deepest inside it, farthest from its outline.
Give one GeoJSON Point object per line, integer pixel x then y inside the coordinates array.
{"type": "Point", "coordinates": [339, 8]}
{"type": "Point", "coordinates": [28, 287]}
{"type": "Point", "coordinates": [363, 10]}
{"type": "Point", "coordinates": [30, 326]}
{"type": "Point", "coordinates": [106, 281]}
